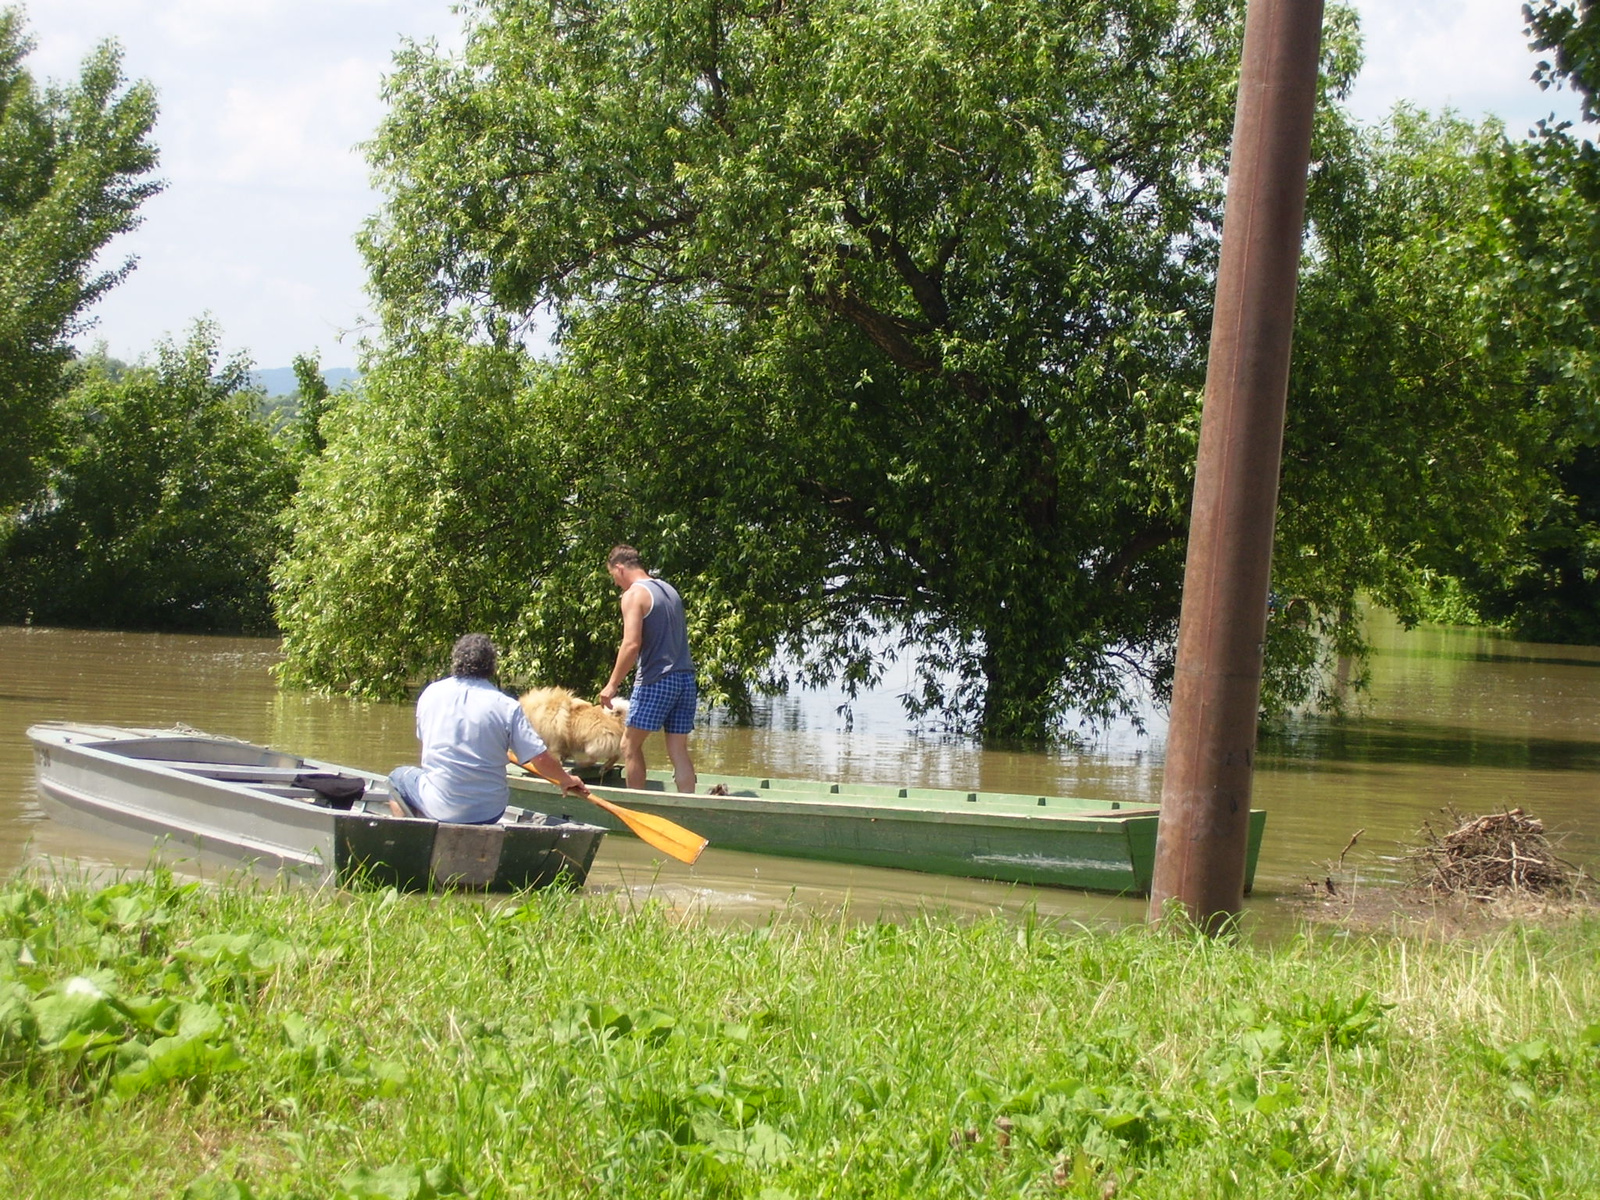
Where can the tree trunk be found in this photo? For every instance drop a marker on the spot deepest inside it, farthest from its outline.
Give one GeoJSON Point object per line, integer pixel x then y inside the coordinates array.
{"type": "Point", "coordinates": [1020, 674]}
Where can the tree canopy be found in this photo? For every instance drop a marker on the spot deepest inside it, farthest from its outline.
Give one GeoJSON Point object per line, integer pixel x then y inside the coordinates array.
{"type": "Point", "coordinates": [882, 329]}
{"type": "Point", "coordinates": [1536, 226]}
{"type": "Point", "coordinates": [74, 169]}
{"type": "Point", "coordinates": [1571, 29]}
{"type": "Point", "coordinates": [435, 508]}
{"type": "Point", "coordinates": [163, 504]}
{"type": "Point", "coordinates": [948, 261]}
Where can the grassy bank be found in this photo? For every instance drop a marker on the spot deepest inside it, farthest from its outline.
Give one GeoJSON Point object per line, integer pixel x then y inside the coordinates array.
{"type": "Point", "coordinates": [247, 1041]}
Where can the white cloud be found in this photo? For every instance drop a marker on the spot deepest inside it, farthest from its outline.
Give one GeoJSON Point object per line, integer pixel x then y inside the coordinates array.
{"type": "Point", "coordinates": [262, 105]}
{"type": "Point", "coordinates": [1469, 55]}
{"type": "Point", "coordinates": [303, 131]}
{"type": "Point", "coordinates": [263, 101]}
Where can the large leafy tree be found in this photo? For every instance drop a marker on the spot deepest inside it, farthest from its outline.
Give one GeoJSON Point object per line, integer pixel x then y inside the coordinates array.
{"type": "Point", "coordinates": [1538, 230]}
{"type": "Point", "coordinates": [437, 507]}
{"type": "Point", "coordinates": [882, 324]}
{"type": "Point", "coordinates": [163, 504]}
{"type": "Point", "coordinates": [1417, 434]}
{"type": "Point", "coordinates": [74, 169]}
{"type": "Point", "coordinates": [949, 262]}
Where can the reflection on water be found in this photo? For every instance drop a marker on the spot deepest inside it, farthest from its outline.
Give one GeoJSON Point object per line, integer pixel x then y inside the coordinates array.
{"type": "Point", "coordinates": [1454, 719]}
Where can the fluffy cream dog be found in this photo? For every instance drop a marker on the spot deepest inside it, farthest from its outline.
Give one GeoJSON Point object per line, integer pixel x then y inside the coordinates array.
{"type": "Point", "coordinates": [574, 729]}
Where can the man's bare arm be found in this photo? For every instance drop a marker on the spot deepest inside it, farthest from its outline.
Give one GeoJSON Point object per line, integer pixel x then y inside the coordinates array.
{"type": "Point", "coordinates": [634, 604]}
{"type": "Point", "coordinates": [549, 767]}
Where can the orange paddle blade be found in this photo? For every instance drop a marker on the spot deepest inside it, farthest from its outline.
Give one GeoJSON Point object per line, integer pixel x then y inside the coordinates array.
{"type": "Point", "coordinates": [666, 836]}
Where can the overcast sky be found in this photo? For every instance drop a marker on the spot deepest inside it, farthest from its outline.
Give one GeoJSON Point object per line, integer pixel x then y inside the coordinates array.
{"type": "Point", "coordinates": [263, 103]}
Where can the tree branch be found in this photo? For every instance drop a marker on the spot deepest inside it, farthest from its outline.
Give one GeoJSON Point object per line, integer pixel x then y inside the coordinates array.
{"type": "Point", "coordinates": [927, 289]}
{"type": "Point", "coordinates": [1116, 568]}
{"type": "Point", "coordinates": [888, 333]}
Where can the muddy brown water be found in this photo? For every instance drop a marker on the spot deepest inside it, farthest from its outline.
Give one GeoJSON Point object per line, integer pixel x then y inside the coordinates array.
{"type": "Point", "coordinates": [1455, 719]}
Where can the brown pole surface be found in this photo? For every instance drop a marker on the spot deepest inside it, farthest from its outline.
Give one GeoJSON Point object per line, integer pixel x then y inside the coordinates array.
{"type": "Point", "coordinates": [1205, 799]}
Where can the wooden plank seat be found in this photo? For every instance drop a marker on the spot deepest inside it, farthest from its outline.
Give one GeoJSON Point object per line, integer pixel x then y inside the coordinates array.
{"type": "Point", "coordinates": [302, 782]}
{"type": "Point", "coordinates": [238, 772]}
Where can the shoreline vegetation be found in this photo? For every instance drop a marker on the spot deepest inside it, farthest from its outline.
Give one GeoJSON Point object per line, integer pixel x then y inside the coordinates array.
{"type": "Point", "coordinates": [163, 1038]}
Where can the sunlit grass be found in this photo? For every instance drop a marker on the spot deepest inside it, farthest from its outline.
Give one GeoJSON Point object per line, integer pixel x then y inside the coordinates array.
{"type": "Point", "coordinates": [252, 1041]}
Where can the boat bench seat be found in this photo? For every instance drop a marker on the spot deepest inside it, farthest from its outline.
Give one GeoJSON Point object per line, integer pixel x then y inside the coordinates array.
{"type": "Point", "coordinates": [287, 791]}
{"type": "Point", "coordinates": [233, 772]}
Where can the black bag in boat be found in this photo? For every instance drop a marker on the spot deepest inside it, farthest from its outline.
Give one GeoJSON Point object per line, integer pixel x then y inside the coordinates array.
{"type": "Point", "coordinates": [333, 791]}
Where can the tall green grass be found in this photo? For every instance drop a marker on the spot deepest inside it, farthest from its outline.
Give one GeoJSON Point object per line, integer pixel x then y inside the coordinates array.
{"type": "Point", "coordinates": [163, 1039]}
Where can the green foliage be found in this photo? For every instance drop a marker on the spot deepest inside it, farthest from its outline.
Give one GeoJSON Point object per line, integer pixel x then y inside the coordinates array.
{"type": "Point", "coordinates": [252, 1041]}
{"type": "Point", "coordinates": [74, 167]}
{"type": "Point", "coordinates": [879, 319]}
{"type": "Point", "coordinates": [1417, 430]}
{"type": "Point", "coordinates": [889, 308]}
{"type": "Point", "coordinates": [1547, 589]}
{"type": "Point", "coordinates": [440, 505]}
{"type": "Point", "coordinates": [399, 1181]}
{"type": "Point", "coordinates": [883, 326]}
{"type": "Point", "coordinates": [1572, 29]}
{"type": "Point", "coordinates": [311, 403]}
{"type": "Point", "coordinates": [163, 501]}
{"type": "Point", "coordinates": [127, 1023]}
{"type": "Point", "coordinates": [1538, 235]}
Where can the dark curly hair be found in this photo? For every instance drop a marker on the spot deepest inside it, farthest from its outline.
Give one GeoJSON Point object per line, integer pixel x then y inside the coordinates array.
{"type": "Point", "coordinates": [473, 656]}
{"type": "Point", "coordinates": [624, 556]}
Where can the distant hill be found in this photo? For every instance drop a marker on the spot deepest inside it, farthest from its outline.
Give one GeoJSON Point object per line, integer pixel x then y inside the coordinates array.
{"type": "Point", "coordinates": [279, 381]}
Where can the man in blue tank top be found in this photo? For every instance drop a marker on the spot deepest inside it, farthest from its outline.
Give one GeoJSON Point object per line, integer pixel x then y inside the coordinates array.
{"type": "Point", "coordinates": [655, 638]}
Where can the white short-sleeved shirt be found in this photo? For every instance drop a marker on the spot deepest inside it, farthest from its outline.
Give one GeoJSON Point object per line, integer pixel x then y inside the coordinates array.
{"type": "Point", "coordinates": [465, 727]}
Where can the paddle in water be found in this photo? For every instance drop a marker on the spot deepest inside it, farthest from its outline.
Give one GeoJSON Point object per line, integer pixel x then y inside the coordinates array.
{"type": "Point", "coordinates": [666, 836]}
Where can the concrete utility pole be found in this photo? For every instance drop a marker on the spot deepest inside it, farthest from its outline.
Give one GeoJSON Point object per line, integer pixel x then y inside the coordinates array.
{"type": "Point", "coordinates": [1205, 800]}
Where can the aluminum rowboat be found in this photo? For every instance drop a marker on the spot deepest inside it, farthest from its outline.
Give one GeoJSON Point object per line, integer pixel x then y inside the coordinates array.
{"type": "Point", "coordinates": [313, 820]}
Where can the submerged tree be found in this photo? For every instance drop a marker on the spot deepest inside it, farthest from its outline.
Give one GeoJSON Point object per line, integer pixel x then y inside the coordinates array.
{"type": "Point", "coordinates": [1417, 424]}
{"type": "Point", "coordinates": [436, 507]}
{"type": "Point", "coordinates": [1541, 223]}
{"type": "Point", "coordinates": [74, 167]}
{"type": "Point", "coordinates": [947, 265]}
{"type": "Point", "coordinates": [882, 326]}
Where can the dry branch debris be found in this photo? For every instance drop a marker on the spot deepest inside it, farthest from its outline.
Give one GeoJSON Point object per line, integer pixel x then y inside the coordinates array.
{"type": "Point", "coordinates": [1490, 857]}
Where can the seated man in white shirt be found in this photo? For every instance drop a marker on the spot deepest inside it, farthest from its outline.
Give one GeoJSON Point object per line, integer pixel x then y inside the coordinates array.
{"type": "Point", "coordinates": [467, 727]}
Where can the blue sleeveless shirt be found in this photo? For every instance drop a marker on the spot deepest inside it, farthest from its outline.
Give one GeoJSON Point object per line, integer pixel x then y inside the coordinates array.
{"type": "Point", "coordinates": [666, 634]}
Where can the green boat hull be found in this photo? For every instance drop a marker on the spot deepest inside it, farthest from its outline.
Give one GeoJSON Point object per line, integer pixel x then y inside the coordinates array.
{"type": "Point", "coordinates": [1053, 841]}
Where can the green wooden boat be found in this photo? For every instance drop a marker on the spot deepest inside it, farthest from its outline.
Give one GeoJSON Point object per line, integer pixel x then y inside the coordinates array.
{"type": "Point", "coordinates": [1058, 841]}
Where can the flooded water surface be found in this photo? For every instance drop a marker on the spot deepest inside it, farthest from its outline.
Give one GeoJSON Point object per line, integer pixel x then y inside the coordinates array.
{"type": "Point", "coordinates": [1455, 721]}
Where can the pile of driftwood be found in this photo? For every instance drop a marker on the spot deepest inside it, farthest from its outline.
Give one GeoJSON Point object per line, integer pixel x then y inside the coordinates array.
{"type": "Point", "coordinates": [1487, 858]}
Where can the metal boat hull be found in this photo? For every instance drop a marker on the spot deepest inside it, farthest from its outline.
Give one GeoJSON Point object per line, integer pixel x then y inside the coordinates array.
{"type": "Point", "coordinates": [1042, 840]}
{"type": "Point", "coordinates": [238, 802]}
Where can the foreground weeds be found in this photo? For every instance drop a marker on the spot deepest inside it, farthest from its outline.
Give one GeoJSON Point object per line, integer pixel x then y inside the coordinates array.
{"type": "Point", "coordinates": [160, 1039]}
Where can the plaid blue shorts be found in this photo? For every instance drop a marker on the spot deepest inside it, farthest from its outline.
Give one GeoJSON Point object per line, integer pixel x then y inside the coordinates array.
{"type": "Point", "coordinates": [668, 703]}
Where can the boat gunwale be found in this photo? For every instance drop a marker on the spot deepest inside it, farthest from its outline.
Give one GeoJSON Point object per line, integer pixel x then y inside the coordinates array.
{"type": "Point", "coordinates": [836, 804]}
